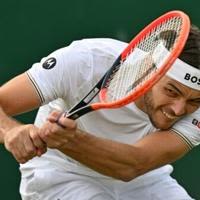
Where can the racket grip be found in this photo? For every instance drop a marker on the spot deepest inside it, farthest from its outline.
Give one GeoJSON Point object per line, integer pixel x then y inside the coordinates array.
{"type": "Point", "coordinates": [74, 115]}
{"type": "Point", "coordinates": [58, 119]}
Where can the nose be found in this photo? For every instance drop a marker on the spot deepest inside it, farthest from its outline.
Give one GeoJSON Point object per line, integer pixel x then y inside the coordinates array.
{"type": "Point", "coordinates": [179, 107]}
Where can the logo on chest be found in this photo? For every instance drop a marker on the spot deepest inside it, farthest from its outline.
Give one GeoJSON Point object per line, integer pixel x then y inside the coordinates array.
{"type": "Point", "coordinates": [196, 122]}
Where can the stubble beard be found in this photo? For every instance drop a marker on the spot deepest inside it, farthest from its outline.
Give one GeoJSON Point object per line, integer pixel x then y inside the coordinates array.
{"type": "Point", "coordinates": [150, 108]}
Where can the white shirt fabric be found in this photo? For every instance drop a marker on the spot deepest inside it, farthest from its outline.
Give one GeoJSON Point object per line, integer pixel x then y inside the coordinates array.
{"type": "Point", "coordinates": [78, 67]}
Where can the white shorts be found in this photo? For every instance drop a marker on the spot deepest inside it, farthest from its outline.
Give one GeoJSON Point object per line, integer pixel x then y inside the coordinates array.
{"type": "Point", "coordinates": [56, 184]}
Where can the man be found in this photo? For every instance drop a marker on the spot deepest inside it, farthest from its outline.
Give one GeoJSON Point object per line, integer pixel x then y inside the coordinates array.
{"type": "Point", "coordinates": [109, 154]}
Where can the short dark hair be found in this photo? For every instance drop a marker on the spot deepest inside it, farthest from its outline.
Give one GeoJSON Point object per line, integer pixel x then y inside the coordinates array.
{"type": "Point", "coordinates": [191, 51]}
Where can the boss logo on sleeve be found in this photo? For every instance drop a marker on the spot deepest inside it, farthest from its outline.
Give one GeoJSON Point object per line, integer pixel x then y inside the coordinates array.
{"type": "Point", "coordinates": [196, 122]}
{"type": "Point", "coordinates": [49, 63]}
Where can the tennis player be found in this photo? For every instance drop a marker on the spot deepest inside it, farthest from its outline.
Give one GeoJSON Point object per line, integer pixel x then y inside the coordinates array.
{"type": "Point", "coordinates": [120, 154]}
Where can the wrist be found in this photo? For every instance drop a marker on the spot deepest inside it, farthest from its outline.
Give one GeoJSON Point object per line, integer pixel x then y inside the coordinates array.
{"type": "Point", "coordinates": [74, 142]}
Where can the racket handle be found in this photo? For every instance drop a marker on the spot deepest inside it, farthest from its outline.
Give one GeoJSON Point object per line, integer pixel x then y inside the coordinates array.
{"type": "Point", "coordinates": [78, 113]}
{"type": "Point", "coordinates": [74, 115]}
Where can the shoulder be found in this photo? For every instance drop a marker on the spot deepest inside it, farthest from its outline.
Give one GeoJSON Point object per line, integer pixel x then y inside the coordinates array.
{"type": "Point", "coordinates": [91, 51]}
{"type": "Point", "coordinates": [189, 128]}
{"type": "Point", "coordinates": [100, 45]}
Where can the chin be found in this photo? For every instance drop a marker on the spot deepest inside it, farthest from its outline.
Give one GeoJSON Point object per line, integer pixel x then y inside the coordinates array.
{"type": "Point", "coordinates": [162, 124]}
{"type": "Point", "coordinates": [163, 127]}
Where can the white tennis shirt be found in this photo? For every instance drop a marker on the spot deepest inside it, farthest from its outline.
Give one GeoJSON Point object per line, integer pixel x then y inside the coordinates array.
{"type": "Point", "coordinates": [66, 75]}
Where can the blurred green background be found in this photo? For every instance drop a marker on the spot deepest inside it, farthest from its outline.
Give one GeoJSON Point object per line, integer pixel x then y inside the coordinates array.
{"type": "Point", "coordinates": [30, 30]}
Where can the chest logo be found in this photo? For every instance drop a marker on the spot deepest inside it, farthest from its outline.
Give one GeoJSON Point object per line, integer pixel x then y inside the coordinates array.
{"type": "Point", "coordinates": [196, 122]}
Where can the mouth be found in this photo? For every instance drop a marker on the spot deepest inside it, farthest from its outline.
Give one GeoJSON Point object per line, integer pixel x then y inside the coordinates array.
{"type": "Point", "coordinates": [169, 116]}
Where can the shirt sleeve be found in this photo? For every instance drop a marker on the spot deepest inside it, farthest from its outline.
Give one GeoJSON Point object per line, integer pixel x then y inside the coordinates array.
{"type": "Point", "coordinates": [188, 129]}
{"type": "Point", "coordinates": [61, 73]}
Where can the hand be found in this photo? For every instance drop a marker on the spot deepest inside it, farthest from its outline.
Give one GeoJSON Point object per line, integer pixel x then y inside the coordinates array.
{"type": "Point", "coordinates": [24, 142]}
{"type": "Point", "coordinates": [56, 136]}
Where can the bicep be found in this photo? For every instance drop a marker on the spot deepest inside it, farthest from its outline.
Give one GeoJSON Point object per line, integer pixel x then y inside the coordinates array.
{"type": "Point", "coordinates": [160, 148]}
{"type": "Point", "coordinates": [18, 95]}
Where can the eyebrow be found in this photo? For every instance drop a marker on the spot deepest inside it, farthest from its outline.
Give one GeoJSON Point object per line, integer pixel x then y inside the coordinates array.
{"type": "Point", "coordinates": [181, 93]}
{"type": "Point", "coordinates": [195, 100]}
{"type": "Point", "coordinates": [175, 88]}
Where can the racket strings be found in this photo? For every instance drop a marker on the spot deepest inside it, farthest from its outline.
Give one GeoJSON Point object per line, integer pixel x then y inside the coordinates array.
{"type": "Point", "coordinates": [120, 86]}
{"type": "Point", "coordinates": [139, 65]}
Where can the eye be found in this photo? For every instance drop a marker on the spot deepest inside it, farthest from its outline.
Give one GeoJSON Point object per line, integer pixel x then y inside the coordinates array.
{"type": "Point", "coordinates": [194, 103]}
{"type": "Point", "coordinates": [171, 92]}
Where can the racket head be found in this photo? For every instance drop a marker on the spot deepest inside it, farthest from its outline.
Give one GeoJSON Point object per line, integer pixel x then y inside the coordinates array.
{"type": "Point", "coordinates": [171, 30]}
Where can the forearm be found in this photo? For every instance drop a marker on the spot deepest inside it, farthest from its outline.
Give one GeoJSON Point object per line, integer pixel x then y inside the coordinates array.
{"type": "Point", "coordinates": [123, 161]}
{"type": "Point", "coordinates": [111, 158]}
{"type": "Point", "coordinates": [6, 124]}
{"type": "Point", "coordinates": [118, 160]}
{"type": "Point", "coordinates": [16, 96]}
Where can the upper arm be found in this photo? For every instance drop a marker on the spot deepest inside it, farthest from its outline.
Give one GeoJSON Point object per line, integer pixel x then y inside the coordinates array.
{"type": "Point", "coordinates": [18, 95]}
{"type": "Point", "coordinates": [158, 149]}
{"type": "Point", "coordinates": [56, 76]}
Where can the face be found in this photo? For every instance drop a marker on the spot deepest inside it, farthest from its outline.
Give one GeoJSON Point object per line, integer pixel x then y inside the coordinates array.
{"type": "Point", "coordinates": [168, 101]}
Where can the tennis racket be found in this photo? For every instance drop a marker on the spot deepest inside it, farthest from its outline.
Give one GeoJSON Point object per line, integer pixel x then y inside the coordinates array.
{"type": "Point", "coordinates": [137, 69]}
